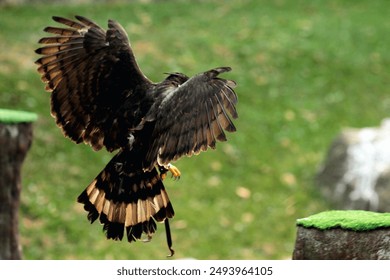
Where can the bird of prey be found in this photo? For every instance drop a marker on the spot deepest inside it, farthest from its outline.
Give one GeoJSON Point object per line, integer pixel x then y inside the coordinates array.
{"type": "Point", "coordinates": [100, 96]}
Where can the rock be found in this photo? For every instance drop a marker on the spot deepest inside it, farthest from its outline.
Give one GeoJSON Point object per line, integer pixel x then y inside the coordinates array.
{"type": "Point", "coordinates": [356, 171]}
{"type": "Point", "coordinates": [343, 235]}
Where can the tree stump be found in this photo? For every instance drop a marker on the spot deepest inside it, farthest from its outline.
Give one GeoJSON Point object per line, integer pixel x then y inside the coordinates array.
{"type": "Point", "coordinates": [343, 235]}
{"type": "Point", "coordinates": [15, 141]}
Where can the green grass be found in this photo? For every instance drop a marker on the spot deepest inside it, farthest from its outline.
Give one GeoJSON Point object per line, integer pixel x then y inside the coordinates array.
{"type": "Point", "coordinates": [14, 116]}
{"type": "Point", "coordinates": [305, 70]}
{"type": "Point", "coordinates": [356, 220]}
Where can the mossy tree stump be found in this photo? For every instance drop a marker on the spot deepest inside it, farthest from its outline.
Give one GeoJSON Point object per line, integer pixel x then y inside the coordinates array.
{"type": "Point", "coordinates": [15, 141]}
{"type": "Point", "coordinates": [343, 235]}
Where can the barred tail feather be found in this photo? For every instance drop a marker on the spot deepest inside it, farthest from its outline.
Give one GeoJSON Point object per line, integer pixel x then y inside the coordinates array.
{"type": "Point", "coordinates": [127, 199]}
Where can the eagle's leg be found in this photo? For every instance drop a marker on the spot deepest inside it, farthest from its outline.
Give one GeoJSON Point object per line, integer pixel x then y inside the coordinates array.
{"type": "Point", "coordinates": [171, 168]}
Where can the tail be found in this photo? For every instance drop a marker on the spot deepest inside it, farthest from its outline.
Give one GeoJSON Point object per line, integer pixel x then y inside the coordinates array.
{"type": "Point", "coordinates": [123, 196]}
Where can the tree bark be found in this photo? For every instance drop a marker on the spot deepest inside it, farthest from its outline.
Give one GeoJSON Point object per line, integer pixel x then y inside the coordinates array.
{"type": "Point", "coordinates": [15, 141]}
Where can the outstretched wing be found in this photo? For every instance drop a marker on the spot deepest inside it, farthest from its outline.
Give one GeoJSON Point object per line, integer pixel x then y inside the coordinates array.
{"type": "Point", "coordinates": [91, 72]}
{"type": "Point", "coordinates": [192, 117]}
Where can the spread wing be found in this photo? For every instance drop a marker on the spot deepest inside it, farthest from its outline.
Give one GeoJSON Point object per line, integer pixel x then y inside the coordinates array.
{"type": "Point", "coordinates": [192, 117]}
{"type": "Point", "coordinates": [91, 73]}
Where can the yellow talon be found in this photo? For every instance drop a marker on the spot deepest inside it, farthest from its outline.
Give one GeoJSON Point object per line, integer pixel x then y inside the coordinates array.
{"type": "Point", "coordinates": [174, 170]}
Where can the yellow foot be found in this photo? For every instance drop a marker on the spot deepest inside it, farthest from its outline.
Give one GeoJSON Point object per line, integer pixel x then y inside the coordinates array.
{"type": "Point", "coordinates": [173, 169]}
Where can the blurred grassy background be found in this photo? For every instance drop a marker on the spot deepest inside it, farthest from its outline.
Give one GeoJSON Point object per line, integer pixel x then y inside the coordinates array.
{"type": "Point", "coordinates": [305, 70]}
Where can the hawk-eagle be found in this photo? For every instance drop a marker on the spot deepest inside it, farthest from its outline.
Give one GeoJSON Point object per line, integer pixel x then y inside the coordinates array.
{"type": "Point", "coordinates": [100, 96]}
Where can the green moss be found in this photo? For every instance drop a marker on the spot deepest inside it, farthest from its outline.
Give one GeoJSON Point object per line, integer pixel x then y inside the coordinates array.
{"type": "Point", "coordinates": [12, 116]}
{"type": "Point", "coordinates": [356, 220]}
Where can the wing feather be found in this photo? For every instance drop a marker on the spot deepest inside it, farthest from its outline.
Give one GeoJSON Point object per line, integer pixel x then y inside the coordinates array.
{"type": "Point", "coordinates": [201, 134]}
{"type": "Point", "coordinates": [216, 126]}
{"type": "Point", "coordinates": [59, 31]}
{"type": "Point", "coordinates": [192, 117]}
{"type": "Point", "coordinates": [90, 72]}
{"type": "Point", "coordinates": [57, 39]}
{"type": "Point", "coordinates": [209, 132]}
{"type": "Point", "coordinates": [68, 22]}
{"type": "Point", "coordinates": [87, 21]}
{"type": "Point", "coordinates": [223, 117]}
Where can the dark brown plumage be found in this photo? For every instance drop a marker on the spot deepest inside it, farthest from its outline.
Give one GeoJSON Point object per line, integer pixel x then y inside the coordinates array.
{"type": "Point", "coordinates": [99, 96]}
